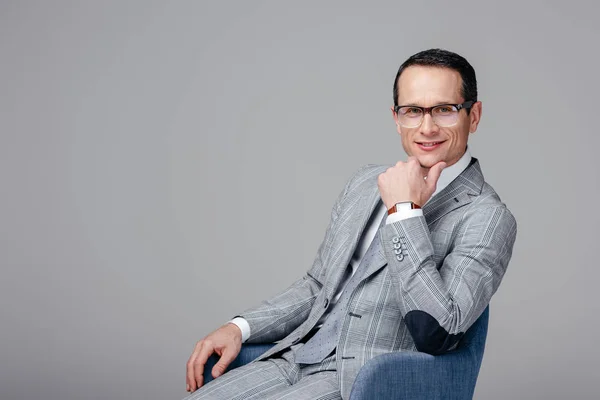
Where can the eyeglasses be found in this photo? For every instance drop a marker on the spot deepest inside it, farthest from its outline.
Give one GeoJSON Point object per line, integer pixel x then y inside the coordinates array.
{"type": "Point", "coordinates": [443, 115]}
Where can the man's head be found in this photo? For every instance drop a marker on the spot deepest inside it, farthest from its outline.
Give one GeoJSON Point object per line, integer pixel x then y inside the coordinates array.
{"type": "Point", "coordinates": [436, 78]}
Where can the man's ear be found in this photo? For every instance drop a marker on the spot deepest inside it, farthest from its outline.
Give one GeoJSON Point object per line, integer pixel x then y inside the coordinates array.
{"type": "Point", "coordinates": [475, 116]}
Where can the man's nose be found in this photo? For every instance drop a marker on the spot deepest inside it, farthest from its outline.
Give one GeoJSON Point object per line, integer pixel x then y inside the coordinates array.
{"type": "Point", "coordinates": [428, 127]}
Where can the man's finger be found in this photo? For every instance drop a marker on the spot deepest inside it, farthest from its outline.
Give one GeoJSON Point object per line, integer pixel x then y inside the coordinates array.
{"type": "Point", "coordinates": [189, 378]}
{"type": "Point", "coordinates": [205, 351]}
{"type": "Point", "coordinates": [226, 358]}
{"type": "Point", "coordinates": [434, 173]}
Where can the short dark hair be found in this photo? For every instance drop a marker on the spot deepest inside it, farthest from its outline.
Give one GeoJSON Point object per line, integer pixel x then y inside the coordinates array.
{"type": "Point", "coordinates": [443, 59]}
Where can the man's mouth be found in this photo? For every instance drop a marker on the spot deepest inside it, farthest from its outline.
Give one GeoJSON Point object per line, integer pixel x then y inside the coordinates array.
{"type": "Point", "coordinates": [429, 145]}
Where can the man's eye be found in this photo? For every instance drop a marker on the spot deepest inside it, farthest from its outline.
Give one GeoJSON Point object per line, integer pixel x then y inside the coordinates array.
{"type": "Point", "coordinates": [444, 110]}
{"type": "Point", "coordinates": [413, 111]}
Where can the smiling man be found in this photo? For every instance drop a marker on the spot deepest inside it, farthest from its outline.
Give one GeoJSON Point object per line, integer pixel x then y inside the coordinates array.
{"type": "Point", "coordinates": [411, 258]}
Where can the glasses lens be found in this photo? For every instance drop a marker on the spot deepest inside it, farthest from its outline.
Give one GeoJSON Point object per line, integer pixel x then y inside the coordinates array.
{"type": "Point", "coordinates": [410, 117]}
{"type": "Point", "coordinates": [444, 115]}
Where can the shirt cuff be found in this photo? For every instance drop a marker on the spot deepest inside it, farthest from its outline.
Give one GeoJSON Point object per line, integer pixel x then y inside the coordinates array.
{"type": "Point", "coordinates": [403, 214]}
{"type": "Point", "coordinates": [244, 327]}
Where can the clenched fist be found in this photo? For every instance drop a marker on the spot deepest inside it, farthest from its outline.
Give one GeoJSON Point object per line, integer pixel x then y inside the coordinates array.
{"type": "Point", "coordinates": [406, 181]}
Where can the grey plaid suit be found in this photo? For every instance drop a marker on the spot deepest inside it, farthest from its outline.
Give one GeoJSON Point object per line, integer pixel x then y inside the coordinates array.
{"type": "Point", "coordinates": [432, 278]}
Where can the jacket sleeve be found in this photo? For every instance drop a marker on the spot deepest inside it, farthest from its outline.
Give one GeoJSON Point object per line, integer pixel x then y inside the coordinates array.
{"type": "Point", "coordinates": [275, 318]}
{"type": "Point", "coordinates": [439, 306]}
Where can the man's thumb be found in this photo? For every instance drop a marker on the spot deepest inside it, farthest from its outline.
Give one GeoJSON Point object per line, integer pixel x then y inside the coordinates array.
{"type": "Point", "coordinates": [226, 358]}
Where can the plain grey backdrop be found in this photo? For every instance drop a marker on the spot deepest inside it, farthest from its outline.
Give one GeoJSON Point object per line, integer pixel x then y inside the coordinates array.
{"type": "Point", "coordinates": [164, 165]}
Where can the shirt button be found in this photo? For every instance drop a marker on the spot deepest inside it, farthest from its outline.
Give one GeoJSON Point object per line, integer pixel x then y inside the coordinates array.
{"type": "Point", "coordinates": [395, 239]}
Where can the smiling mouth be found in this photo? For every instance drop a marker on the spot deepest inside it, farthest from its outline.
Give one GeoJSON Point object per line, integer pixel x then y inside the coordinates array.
{"type": "Point", "coordinates": [428, 144]}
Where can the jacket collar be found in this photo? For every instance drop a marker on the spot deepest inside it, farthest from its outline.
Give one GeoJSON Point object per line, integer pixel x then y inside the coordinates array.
{"type": "Point", "coordinates": [457, 194]}
{"type": "Point", "coordinates": [450, 173]}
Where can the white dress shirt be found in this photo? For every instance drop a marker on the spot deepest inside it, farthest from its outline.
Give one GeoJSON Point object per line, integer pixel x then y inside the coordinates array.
{"type": "Point", "coordinates": [448, 175]}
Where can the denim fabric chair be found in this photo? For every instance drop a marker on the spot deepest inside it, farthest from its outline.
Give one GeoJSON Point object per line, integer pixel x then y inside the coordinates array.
{"type": "Point", "coordinates": [406, 375]}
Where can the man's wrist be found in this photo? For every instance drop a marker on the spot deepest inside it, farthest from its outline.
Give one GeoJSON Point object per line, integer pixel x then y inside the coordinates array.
{"type": "Point", "coordinates": [243, 325]}
{"type": "Point", "coordinates": [402, 206]}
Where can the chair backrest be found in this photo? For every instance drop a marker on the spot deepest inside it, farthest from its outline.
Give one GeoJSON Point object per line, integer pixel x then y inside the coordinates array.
{"type": "Point", "coordinates": [474, 338]}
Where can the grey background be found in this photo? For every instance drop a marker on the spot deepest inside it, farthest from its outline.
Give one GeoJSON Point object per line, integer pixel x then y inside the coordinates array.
{"type": "Point", "coordinates": [164, 165]}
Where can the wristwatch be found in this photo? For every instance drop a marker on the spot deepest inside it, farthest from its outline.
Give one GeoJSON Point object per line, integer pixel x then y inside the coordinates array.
{"type": "Point", "coordinates": [403, 205]}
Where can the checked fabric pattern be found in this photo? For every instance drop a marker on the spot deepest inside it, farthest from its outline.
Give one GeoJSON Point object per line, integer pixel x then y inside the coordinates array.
{"type": "Point", "coordinates": [325, 340]}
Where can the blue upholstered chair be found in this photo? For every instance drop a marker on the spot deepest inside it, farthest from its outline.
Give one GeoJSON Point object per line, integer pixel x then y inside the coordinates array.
{"type": "Point", "coordinates": [407, 375]}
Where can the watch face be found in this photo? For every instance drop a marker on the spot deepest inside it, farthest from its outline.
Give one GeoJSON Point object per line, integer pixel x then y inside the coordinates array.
{"type": "Point", "coordinates": [405, 205]}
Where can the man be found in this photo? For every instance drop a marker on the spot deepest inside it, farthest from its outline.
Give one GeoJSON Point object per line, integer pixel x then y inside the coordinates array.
{"type": "Point", "coordinates": [410, 259]}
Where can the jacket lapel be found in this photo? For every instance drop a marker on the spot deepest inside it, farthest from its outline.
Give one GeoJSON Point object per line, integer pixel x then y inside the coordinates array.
{"type": "Point", "coordinates": [349, 234]}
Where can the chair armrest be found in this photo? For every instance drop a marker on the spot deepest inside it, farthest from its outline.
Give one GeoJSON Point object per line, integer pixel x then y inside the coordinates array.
{"type": "Point", "coordinates": [415, 375]}
{"type": "Point", "coordinates": [248, 353]}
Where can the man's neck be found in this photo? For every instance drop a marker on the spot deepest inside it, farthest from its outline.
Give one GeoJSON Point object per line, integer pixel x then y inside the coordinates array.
{"type": "Point", "coordinates": [451, 172]}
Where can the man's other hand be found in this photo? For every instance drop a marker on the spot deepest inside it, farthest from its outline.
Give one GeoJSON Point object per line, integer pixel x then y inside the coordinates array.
{"type": "Point", "coordinates": [226, 342]}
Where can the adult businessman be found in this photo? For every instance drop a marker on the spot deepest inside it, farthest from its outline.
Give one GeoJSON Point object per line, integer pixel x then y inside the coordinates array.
{"type": "Point", "coordinates": [410, 259]}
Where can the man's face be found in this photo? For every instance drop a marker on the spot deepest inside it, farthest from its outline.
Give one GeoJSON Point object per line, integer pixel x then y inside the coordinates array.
{"type": "Point", "coordinates": [427, 87]}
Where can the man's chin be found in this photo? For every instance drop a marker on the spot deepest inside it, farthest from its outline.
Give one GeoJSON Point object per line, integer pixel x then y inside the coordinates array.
{"type": "Point", "coordinates": [428, 161]}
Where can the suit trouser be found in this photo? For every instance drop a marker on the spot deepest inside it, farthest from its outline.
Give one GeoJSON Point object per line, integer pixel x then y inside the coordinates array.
{"type": "Point", "coordinates": [275, 378]}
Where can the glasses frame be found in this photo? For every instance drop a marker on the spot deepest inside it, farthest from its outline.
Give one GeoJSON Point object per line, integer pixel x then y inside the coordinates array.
{"type": "Point", "coordinates": [427, 110]}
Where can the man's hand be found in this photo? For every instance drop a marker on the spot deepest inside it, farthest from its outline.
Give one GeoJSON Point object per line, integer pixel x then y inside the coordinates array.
{"type": "Point", "coordinates": [405, 182]}
{"type": "Point", "coordinates": [226, 342]}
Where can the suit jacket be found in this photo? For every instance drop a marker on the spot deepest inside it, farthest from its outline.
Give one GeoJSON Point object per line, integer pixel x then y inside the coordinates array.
{"type": "Point", "coordinates": [432, 279]}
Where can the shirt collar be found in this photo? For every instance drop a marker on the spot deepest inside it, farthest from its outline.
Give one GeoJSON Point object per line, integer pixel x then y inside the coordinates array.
{"type": "Point", "coordinates": [452, 172]}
